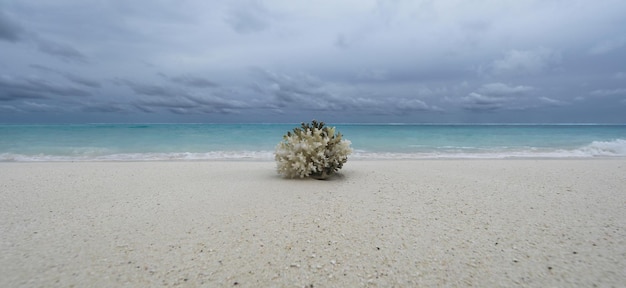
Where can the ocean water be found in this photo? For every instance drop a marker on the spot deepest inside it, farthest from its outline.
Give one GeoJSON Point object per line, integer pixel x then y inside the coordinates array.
{"type": "Point", "coordinates": [162, 142]}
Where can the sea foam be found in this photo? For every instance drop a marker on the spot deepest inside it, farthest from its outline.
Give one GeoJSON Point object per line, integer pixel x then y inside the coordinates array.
{"type": "Point", "coordinates": [615, 148]}
{"type": "Point", "coordinates": [606, 148]}
{"type": "Point", "coordinates": [178, 156]}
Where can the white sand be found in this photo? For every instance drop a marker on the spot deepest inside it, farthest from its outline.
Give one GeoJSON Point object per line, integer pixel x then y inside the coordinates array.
{"type": "Point", "coordinates": [481, 223]}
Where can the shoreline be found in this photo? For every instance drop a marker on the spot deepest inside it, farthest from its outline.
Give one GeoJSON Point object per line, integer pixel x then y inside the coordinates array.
{"type": "Point", "coordinates": [413, 222]}
{"type": "Point", "coordinates": [351, 159]}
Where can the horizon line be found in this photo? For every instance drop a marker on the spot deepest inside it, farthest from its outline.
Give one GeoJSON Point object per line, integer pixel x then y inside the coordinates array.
{"type": "Point", "coordinates": [333, 123]}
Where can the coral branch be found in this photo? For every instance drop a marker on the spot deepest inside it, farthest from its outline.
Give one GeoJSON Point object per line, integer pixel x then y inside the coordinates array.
{"type": "Point", "coordinates": [313, 150]}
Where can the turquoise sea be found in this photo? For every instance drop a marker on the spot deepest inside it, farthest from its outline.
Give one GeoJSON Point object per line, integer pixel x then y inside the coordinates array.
{"type": "Point", "coordinates": [149, 142]}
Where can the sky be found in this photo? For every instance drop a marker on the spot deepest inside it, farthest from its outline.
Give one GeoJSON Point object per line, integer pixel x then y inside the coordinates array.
{"type": "Point", "coordinates": [251, 61]}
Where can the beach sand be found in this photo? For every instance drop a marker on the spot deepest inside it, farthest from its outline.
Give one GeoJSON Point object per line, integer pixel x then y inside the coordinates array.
{"type": "Point", "coordinates": [483, 223]}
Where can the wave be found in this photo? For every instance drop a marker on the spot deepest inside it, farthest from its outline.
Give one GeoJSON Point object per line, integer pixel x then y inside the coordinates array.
{"type": "Point", "coordinates": [606, 148]}
{"type": "Point", "coordinates": [614, 148]}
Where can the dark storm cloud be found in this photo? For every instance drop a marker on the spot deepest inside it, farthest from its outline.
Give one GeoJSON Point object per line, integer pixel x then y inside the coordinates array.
{"type": "Point", "coordinates": [189, 104]}
{"type": "Point", "coordinates": [478, 102]}
{"type": "Point", "coordinates": [217, 102]}
{"type": "Point", "coordinates": [12, 88]}
{"type": "Point", "coordinates": [194, 81]}
{"type": "Point", "coordinates": [306, 92]}
{"type": "Point", "coordinates": [297, 89]}
{"type": "Point", "coordinates": [26, 107]}
{"type": "Point", "coordinates": [82, 80]}
{"type": "Point", "coordinates": [105, 108]}
{"type": "Point", "coordinates": [62, 51]}
{"type": "Point", "coordinates": [69, 76]}
{"type": "Point", "coordinates": [144, 108]}
{"type": "Point", "coordinates": [15, 91]}
{"type": "Point", "coordinates": [497, 96]}
{"type": "Point", "coordinates": [148, 89]}
{"type": "Point", "coordinates": [180, 101]}
{"type": "Point", "coordinates": [398, 61]}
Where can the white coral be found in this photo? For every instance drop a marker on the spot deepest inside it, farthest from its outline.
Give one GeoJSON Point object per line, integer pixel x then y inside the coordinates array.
{"type": "Point", "coordinates": [313, 150]}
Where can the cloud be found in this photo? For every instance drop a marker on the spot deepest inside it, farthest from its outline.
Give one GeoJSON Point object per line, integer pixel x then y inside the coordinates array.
{"type": "Point", "coordinates": [147, 89]}
{"type": "Point", "coordinates": [478, 102]}
{"type": "Point", "coordinates": [373, 74]}
{"type": "Point", "coordinates": [192, 104]}
{"type": "Point", "coordinates": [169, 102]}
{"type": "Point", "coordinates": [608, 46]}
{"type": "Point", "coordinates": [69, 76]}
{"type": "Point", "coordinates": [248, 16]}
{"type": "Point", "coordinates": [9, 109]}
{"type": "Point", "coordinates": [62, 51]}
{"type": "Point", "coordinates": [402, 59]}
{"type": "Point", "coordinates": [620, 75]}
{"type": "Point", "coordinates": [410, 105]}
{"type": "Point", "coordinates": [9, 30]}
{"type": "Point", "coordinates": [302, 89]}
{"type": "Point", "coordinates": [525, 62]}
{"type": "Point", "coordinates": [552, 102]}
{"type": "Point", "coordinates": [193, 81]}
{"type": "Point", "coordinates": [496, 96]}
{"type": "Point", "coordinates": [502, 97]}
{"type": "Point", "coordinates": [310, 93]}
{"type": "Point", "coordinates": [608, 92]}
{"type": "Point", "coordinates": [212, 103]}
{"type": "Point", "coordinates": [82, 80]}
{"type": "Point", "coordinates": [342, 41]}
{"type": "Point", "coordinates": [12, 88]}
{"type": "Point", "coordinates": [501, 89]}
{"type": "Point", "coordinates": [180, 101]}
{"type": "Point", "coordinates": [38, 107]}
{"type": "Point", "coordinates": [13, 32]}
{"type": "Point", "coordinates": [105, 108]}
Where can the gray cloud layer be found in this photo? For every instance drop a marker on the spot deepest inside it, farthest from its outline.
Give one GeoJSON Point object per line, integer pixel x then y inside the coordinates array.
{"type": "Point", "coordinates": [346, 61]}
{"type": "Point", "coordinates": [9, 30]}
